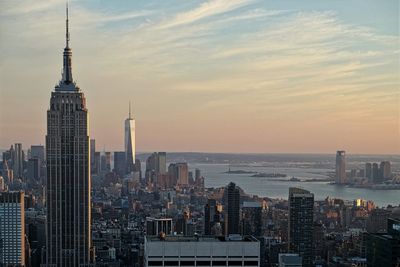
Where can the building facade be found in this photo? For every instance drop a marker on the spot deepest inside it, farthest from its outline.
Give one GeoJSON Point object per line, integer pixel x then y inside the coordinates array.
{"type": "Point", "coordinates": [12, 229]}
{"type": "Point", "coordinates": [201, 251]}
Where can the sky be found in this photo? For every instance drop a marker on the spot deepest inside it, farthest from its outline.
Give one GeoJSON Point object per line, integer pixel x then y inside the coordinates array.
{"type": "Point", "coordinates": [255, 76]}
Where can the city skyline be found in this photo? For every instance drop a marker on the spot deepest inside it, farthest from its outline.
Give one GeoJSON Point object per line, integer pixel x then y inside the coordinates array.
{"type": "Point", "coordinates": [211, 88]}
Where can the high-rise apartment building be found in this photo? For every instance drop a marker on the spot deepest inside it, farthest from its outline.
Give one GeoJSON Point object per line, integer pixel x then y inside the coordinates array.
{"type": "Point", "coordinates": [340, 167]}
{"type": "Point", "coordinates": [130, 147]}
{"type": "Point", "coordinates": [301, 210]}
{"type": "Point", "coordinates": [12, 229]}
{"type": "Point", "coordinates": [232, 209]}
{"type": "Point", "coordinates": [68, 231]}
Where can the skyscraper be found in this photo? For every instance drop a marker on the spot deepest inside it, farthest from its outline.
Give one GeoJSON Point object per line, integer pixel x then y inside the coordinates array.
{"type": "Point", "coordinates": [130, 148]}
{"type": "Point", "coordinates": [12, 229]}
{"type": "Point", "coordinates": [68, 231]}
{"type": "Point", "coordinates": [368, 171]}
{"type": "Point", "coordinates": [301, 209]}
{"type": "Point", "coordinates": [18, 161]}
{"type": "Point", "coordinates": [376, 177]}
{"type": "Point", "coordinates": [92, 156]}
{"type": "Point", "coordinates": [119, 163]}
{"type": "Point", "coordinates": [212, 216]}
{"type": "Point", "coordinates": [340, 167]}
{"type": "Point", "coordinates": [252, 219]}
{"type": "Point", "coordinates": [232, 209]}
{"type": "Point", "coordinates": [385, 170]}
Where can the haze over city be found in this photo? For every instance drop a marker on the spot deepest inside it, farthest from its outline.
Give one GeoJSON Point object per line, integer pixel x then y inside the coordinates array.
{"type": "Point", "coordinates": [217, 76]}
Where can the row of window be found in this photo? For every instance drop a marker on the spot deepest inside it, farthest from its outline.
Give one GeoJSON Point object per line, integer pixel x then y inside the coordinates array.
{"type": "Point", "coordinates": [202, 263]}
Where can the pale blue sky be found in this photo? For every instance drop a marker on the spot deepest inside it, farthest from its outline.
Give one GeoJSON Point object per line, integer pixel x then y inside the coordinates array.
{"type": "Point", "coordinates": [218, 75]}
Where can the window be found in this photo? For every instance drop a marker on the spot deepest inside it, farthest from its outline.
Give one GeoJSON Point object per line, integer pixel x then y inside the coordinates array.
{"type": "Point", "coordinates": [219, 263]}
{"type": "Point", "coordinates": [155, 263]}
{"type": "Point", "coordinates": [187, 263]}
{"type": "Point", "coordinates": [171, 263]}
{"type": "Point", "coordinates": [251, 263]}
{"type": "Point", "coordinates": [203, 263]}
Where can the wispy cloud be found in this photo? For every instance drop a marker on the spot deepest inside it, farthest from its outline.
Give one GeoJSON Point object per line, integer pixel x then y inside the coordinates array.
{"type": "Point", "coordinates": [219, 60]}
{"type": "Point", "coordinates": [205, 10]}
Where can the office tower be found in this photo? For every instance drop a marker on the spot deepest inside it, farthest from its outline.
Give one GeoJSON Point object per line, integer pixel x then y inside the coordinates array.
{"type": "Point", "coordinates": [12, 229]}
{"type": "Point", "coordinates": [97, 162]}
{"type": "Point", "coordinates": [162, 162]}
{"type": "Point", "coordinates": [37, 152]}
{"type": "Point", "coordinates": [157, 162]}
{"type": "Point", "coordinates": [212, 216]}
{"type": "Point", "coordinates": [33, 169]}
{"type": "Point", "coordinates": [197, 174]}
{"type": "Point", "coordinates": [119, 163]}
{"type": "Point", "coordinates": [18, 161]}
{"type": "Point", "coordinates": [301, 209]}
{"type": "Point", "coordinates": [190, 178]}
{"type": "Point", "coordinates": [201, 251]}
{"type": "Point", "coordinates": [232, 209]}
{"type": "Point", "coordinates": [155, 226]}
{"type": "Point", "coordinates": [383, 249]}
{"type": "Point", "coordinates": [92, 156]}
{"type": "Point", "coordinates": [377, 221]}
{"type": "Point", "coordinates": [340, 167]}
{"type": "Point", "coordinates": [181, 225]}
{"type": "Point", "coordinates": [152, 162]}
{"type": "Point", "coordinates": [130, 148]}
{"type": "Point", "coordinates": [105, 162]}
{"type": "Point", "coordinates": [252, 218]}
{"type": "Point", "coordinates": [138, 167]}
{"type": "Point", "coordinates": [375, 173]}
{"type": "Point", "coordinates": [68, 231]}
{"type": "Point", "coordinates": [385, 170]}
{"type": "Point", "coordinates": [368, 171]}
{"type": "Point", "coordinates": [289, 260]}
{"type": "Point", "coordinates": [182, 174]}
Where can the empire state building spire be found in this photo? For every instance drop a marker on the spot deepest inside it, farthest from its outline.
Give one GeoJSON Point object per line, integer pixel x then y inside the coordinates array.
{"type": "Point", "coordinates": [67, 65]}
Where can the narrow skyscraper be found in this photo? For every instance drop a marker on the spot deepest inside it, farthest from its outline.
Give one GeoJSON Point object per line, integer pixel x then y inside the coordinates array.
{"type": "Point", "coordinates": [341, 167]}
{"type": "Point", "coordinates": [301, 210]}
{"type": "Point", "coordinates": [130, 148]}
{"type": "Point", "coordinates": [232, 209]}
{"type": "Point", "coordinates": [68, 231]}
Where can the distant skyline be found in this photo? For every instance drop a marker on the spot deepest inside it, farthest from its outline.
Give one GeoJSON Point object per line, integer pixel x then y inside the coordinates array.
{"type": "Point", "coordinates": [210, 76]}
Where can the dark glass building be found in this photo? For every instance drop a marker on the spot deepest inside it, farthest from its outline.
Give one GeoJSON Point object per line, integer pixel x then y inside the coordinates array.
{"type": "Point", "coordinates": [301, 209]}
{"type": "Point", "coordinates": [232, 209]}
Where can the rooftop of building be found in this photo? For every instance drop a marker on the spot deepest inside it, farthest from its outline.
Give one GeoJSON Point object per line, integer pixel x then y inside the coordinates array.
{"type": "Point", "coordinates": [199, 238]}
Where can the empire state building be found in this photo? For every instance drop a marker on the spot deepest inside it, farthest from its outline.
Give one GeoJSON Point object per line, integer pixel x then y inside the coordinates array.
{"type": "Point", "coordinates": [68, 231]}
